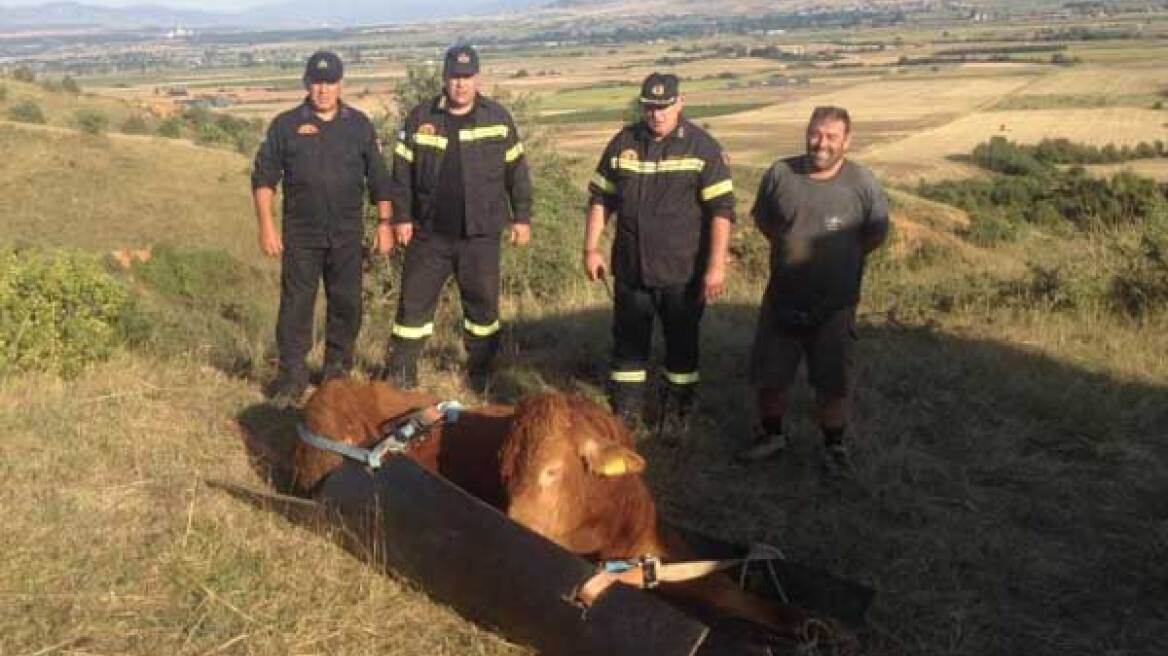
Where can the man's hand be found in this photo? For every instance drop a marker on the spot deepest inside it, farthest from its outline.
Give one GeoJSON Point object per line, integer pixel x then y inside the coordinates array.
{"type": "Point", "coordinates": [383, 239]}
{"type": "Point", "coordinates": [403, 232]}
{"type": "Point", "coordinates": [713, 284]}
{"type": "Point", "coordinates": [520, 233]}
{"type": "Point", "coordinates": [594, 266]}
{"type": "Point", "coordinates": [271, 243]}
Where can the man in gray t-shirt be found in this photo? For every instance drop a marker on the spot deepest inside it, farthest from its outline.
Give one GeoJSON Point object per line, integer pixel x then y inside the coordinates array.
{"type": "Point", "coordinates": [822, 215]}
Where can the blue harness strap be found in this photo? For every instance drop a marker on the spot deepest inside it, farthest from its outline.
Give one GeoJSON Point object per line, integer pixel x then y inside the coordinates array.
{"type": "Point", "coordinates": [397, 440]}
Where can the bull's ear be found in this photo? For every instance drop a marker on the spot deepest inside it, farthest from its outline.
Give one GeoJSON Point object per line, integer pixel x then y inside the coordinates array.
{"type": "Point", "coordinates": [613, 460]}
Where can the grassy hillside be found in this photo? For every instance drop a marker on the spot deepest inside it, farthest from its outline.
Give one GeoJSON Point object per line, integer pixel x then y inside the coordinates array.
{"type": "Point", "coordinates": [1010, 427]}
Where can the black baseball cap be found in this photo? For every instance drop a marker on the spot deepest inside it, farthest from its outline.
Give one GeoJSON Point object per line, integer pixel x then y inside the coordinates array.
{"type": "Point", "coordinates": [460, 61]}
{"type": "Point", "coordinates": [659, 90]}
{"type": "Point", "coordinates": [324, 66]}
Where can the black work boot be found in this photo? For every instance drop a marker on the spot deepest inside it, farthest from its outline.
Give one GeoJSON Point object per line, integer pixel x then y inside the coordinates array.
{"type": "Point", "coordinates": [480, 357]}
{"type": "Point", "coordinates": [675, 411]}
{"type": "Point", "coordinates": [332, 371]}
{"type": "Point", "coordinates": [288, 388]}
{"type": "Point", "coordinates": [627, 401]}
{"type": "Point", "coordinates": [401, 365]}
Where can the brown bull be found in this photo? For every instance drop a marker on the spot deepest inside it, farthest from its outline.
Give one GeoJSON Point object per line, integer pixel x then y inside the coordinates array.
{"type": "Point", "coordinates": [571, 475]}
{"type": "Point", "coordinates": [558, 464]}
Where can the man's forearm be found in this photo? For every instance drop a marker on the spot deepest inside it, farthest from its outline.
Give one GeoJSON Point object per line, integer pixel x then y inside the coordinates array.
{"type": "Point", "coordinates": [719, 242]}
{"type": "Point", "coordinates": [594, 226]}
{"type": "Point", "coordinates": [263, 198]}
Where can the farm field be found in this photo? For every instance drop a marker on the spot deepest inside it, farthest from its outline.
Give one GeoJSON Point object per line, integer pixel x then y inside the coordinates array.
{"type": "Point", "coordinates": [1010, 415]}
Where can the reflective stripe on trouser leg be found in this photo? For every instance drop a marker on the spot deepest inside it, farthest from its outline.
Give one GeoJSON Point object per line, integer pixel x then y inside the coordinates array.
{"type": "Point", "coordinates": [681, 310]}
{"type": "Point", "coordinates": [476, 269]}
{"type": "Point", "coordinates": [428, 263]}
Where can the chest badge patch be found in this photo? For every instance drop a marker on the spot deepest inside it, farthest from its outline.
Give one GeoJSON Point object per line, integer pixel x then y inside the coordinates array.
{"type": "Point", "coordinates": [307, 128]}
{"type": "Point", "coordinates": [833, 224]}
{"type": "Point", "coordinates": [629, 153]}
{"type": "Point", "coordinates": [427, 128]}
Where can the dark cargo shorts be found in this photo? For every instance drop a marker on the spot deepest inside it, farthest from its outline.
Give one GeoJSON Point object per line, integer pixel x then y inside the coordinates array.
{"type": "Point", "coordinates": [781, 342]}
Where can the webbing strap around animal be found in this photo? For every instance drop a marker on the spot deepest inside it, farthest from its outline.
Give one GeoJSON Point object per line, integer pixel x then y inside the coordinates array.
{"type": "Point", "coordinates": [647, 571]}
{"type": "Point", "coordinates": [403, 433]}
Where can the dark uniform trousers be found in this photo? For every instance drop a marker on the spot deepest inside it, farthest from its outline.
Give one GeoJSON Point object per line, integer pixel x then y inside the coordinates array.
{"type": "Point", "coordinates": [680, 308]}
{"type": "Point", "coordinates": [431, 259]}
{"type": "Point", "coordinates": [303, 268]}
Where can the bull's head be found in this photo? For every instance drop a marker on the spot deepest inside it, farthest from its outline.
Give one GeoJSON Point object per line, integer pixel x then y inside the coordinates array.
{"type": "Point", "coordinates": [568, 467]}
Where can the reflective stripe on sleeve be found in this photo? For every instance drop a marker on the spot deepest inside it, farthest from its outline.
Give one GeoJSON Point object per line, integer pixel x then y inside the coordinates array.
{"type": "Point", "coordinates": [636, 376]}
{"type": "Point", "coordinates": [413, 332]}
{"type": "Point", "coordinates": [680, 165]}
{"type": "Point", "coordinates": [682, 379]}
{"type": "Point", "coordinates": [514, 153]}
{"type": "Point", "coordinates": [404, 152]}
{"type": "Point", "coordinates": [485, 132]}
{"type": "Point", "coordinates": [718, 189]}
{"type": "Point", "coordinates": [479, 330]}
{"type": "Point", "coordinates": [431, 140]}
{"type": "Point", "coordinates": [603, 183]}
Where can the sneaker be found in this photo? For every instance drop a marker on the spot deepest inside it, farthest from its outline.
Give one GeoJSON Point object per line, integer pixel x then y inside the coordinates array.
{"type": "Point", "coordinates": [837, 462]}
{"type": "Point", "coordinates": [766, 446]}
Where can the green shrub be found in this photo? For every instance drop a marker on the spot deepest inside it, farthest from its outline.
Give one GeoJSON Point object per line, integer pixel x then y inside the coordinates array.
{"type": "Point", "coordinates": [26, 111]}
{"type": "Point", "coordinates": [171, 128]}
{"type": "Point", "coordinates": [59, 312]}
{"type": "Point", "coordinates": [24, 74]}
{"type": "Point", "coordinates": [91, 121]}
{"type": "Point", "coordinates": [1139, 286]}
{"type": "Point", "coordinates": [69, 85]}
{"type": "Point", "coordinates": [3, 93]}
{"type": "Point", "coordinates": [135, 124]}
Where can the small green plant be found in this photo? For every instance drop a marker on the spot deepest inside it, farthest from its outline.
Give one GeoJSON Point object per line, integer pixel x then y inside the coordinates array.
{"type": "Point", "coordinates": [59, 312]}
{"type": "Point", "coordinates": [1140, 285]}
{"type": "Point", "coordinates": [135, 124]}
{"type": "Point", "coordinates": [24, 74]}
{"type": "Point", "coordinates": [3, 93]}
{"type": "Point", "coordinates": [171, 128]}
{"type": "Point", "coordinates": [26, 111]}
{"type": "Point", "coordinates": [91, 121]}
{"type": "Point", "coordinates": [69, 85]}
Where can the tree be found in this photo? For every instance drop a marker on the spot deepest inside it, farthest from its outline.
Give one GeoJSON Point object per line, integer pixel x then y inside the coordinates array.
{"type": "Point", "coordinates": [69, 85]}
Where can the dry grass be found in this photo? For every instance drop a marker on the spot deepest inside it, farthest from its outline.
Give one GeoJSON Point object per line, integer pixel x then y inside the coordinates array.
{"type": "Point", "coordinates": [937, 153]}
{"type": "Point", "coordinates": [111, 192]}
{"type": "Point", "coordinates": [114, 545]}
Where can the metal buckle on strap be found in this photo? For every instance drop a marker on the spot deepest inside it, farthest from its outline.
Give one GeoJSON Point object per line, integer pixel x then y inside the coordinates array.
{"type": "Point", "coordinates": [648, 564]}
{"type": "Point", "coordinates": [396, 439]}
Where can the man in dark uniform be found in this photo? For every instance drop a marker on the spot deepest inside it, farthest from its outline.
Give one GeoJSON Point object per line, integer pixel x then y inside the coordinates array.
{"type": "Point", "coordinates": [461, 177]}
{"type": "Point", "coordinates": [327, 155]}
{"type": "Point", "coordinates": [669, 185]}
{"type": "Point", "coordinates": [822, 215]}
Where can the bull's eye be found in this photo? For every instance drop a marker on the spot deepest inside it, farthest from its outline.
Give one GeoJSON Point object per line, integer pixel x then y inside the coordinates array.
{"type": "Point", "coordinates": [551, 474]}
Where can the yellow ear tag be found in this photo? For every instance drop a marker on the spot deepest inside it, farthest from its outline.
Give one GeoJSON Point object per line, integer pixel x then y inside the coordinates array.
{"type": "Point", "coordinates": [614, 466]}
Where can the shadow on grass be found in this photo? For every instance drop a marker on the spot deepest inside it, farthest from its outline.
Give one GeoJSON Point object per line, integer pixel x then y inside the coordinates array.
{"type": "Point", "coordinates": [1005, 501]}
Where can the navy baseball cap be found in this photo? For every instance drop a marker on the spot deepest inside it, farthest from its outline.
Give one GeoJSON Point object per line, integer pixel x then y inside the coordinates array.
{"type": "Point", "coordinates": [659, 90]}
{"type": "Point", "coordinates": [324, 66]}
{"type": "Point", "coordinates": [460, 61]}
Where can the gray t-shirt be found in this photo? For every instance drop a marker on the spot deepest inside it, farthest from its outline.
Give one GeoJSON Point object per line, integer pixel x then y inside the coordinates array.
{"type": "Point", "coordinates": [817, 230]}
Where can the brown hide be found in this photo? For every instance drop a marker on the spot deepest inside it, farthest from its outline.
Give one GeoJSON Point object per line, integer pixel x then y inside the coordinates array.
{"type": "Point", "coordinates": [559, 483]}
{"type": "Point", "coordinates": [558, 464]}
{"type": "Point", "coordinates": [350, 411]}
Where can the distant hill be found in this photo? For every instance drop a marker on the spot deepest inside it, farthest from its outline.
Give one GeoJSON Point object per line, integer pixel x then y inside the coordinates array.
{"type": "Point", "coordinates": [288, 14]}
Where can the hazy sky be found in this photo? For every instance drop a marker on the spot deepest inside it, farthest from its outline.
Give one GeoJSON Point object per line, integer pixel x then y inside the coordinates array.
{"type": "Point", "coordinates": [210, 5]}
